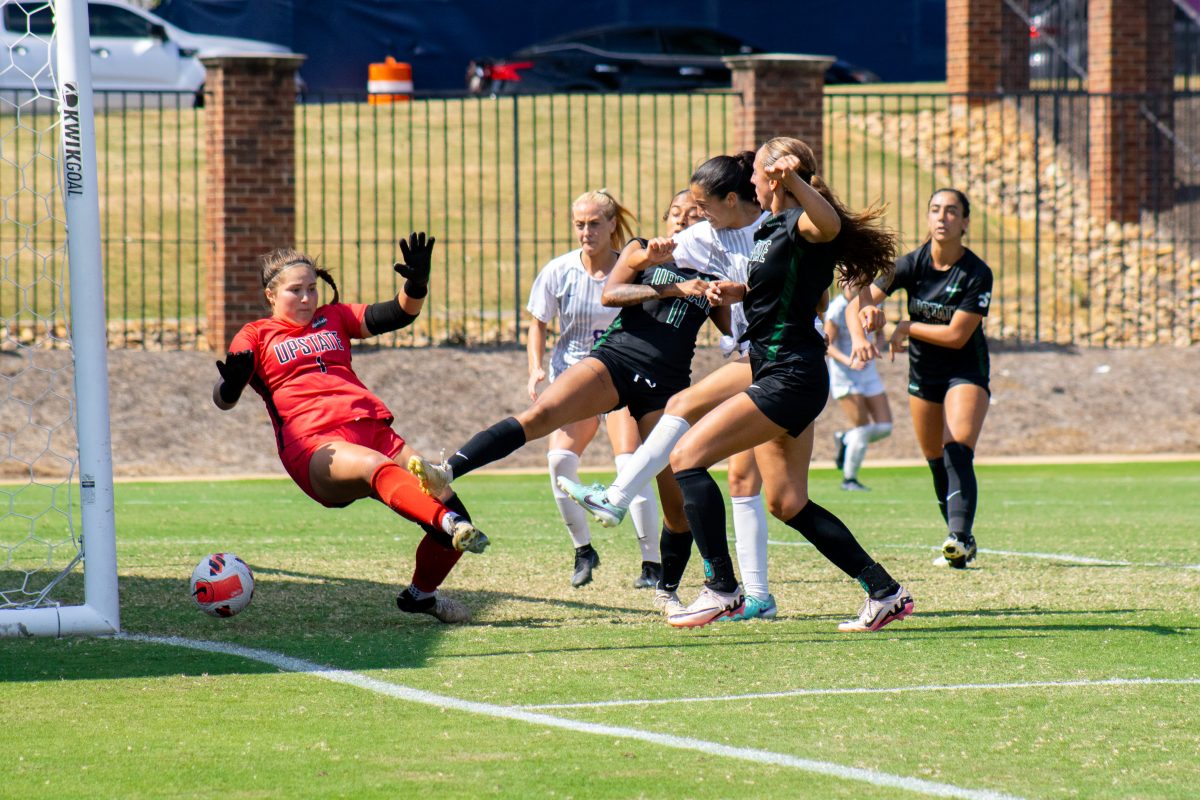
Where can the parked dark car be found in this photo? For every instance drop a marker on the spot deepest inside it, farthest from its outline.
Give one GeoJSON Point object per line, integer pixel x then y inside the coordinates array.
{"type": "Point", "coordinates": [626, 58]}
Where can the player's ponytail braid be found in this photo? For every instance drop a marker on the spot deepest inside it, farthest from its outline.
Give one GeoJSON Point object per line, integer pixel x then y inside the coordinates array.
{"type": "Point", "coordinates": [864, 249]}
{"type": "Point", "coordinates": [324, 275]}
{"type": "Point", "coordinates": [277, 261]}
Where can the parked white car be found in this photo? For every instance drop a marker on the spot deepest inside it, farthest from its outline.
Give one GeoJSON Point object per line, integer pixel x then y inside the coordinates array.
{"type": "Point", "coordinates": [132, 49]}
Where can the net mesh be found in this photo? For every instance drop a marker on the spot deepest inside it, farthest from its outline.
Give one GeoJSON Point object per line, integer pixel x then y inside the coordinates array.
{"type": "Point", "coordinates": [39, 543]}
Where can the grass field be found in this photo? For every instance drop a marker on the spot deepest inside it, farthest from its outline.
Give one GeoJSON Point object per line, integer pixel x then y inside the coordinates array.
{"type": "Point", "coordinates": [1065, 665]}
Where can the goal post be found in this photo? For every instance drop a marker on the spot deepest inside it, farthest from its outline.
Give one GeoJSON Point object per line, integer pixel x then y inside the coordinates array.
{"type": "Point", "coordinates": [71, 194]}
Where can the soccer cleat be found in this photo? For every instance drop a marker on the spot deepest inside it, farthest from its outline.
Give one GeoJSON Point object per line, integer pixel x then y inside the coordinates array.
{"type": "Point", "coordinates": [852, 485]}
{"type": "Point", "coordinates": [958, 553]}
{"type": "Point", "coordinates": [667, 601]}
{"type": "Point", "coordinates": [467, 538]}
{"type": "Point", "coordinates": [434, 478]}
{"type": "Point", "coordinates": [754, 609]}
{"type": "Point", "coordinates": [443, 608]}
{"type": "Point", "coordinates": [710, 606]}
{"type": "Point", "coordinates": [651, 574]}
{"type": "Point", "coordinates": [585, 562]}
{"type": "Point", "coordinates": [839, 441]}
{"type": "Point", "coordinates": [592, 499]}
{"type": "Point", "coordinates": [877, 613]}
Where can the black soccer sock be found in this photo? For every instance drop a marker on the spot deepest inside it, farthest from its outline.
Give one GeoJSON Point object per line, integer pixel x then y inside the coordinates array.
{"type": "Point", "coordinates": [962, 491]}
{"type": "Point", "coordinates": [832, 539]}
{"type": "Point", "coordinates": [705, 510]}
{"type": "Point", "coordinates": [438, 535]}
{"type": "Point", "coordinates": [876, 582]}
{"type": "Point", "coordinates": [940, 480]}
{"type": "Point", "coordinates": [456, 505]}
{"type": "Point", "coordinates": [676, 551]}
{"type": "Point", "coordinates": [493, 444]}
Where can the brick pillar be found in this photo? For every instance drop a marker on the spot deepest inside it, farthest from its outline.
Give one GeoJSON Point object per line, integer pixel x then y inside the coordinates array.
{"type": "Point", "coordinates": [250, 192]}
{"type": "Point", "coordinates": [987, 48]}
{"type": "Point", "coordinates": [1130, 71]}
{"type": "Point", "coordinates": [779, 95]}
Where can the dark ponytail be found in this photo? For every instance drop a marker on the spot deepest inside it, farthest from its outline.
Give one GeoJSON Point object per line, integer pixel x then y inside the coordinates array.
{"type": "Point", "coordinates": [721, 175]}
{"type": "Point", "coordinates": [864, 249]}
{"type": "Point", "coordinates": [275, 262]}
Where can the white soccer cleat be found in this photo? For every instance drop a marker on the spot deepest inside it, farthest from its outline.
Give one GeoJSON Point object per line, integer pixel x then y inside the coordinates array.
{"type": "Point", "coordinates": [449, 610]}
{"type": "Point", "coordinates": [667, 602]}
{"type": "Point", "coordinates": [434, 478]}
{"type": "Point", "coordinates": [710, 606]}
{"type": "Point", "coordinates": [877, 613]}
{"type": "Point", "coordinates": [442, 608]}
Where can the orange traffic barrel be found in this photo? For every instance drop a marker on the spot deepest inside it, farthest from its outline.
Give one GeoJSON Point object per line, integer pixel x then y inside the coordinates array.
{"type": "Point", "coordinates": [389, 82]}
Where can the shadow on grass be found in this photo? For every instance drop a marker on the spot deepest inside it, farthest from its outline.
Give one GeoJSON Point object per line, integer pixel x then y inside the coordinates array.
{"type": "Point", "coordinates": [353, 624]}
{"type": "Point", "coordinates": [337, 621]}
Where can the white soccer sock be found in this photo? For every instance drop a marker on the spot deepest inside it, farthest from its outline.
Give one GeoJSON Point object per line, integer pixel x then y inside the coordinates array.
{"type": "Point", "coordinates": [878, 430]}
{"type": "Point", "coordinates": [644, 511]}
{"type": "Point", "coordinates": [648, 460]}
{"type": "Point", "coordinates": [566, 463]}
{"type": "Point", "coordinates": [856, 451]}
{"type": "Point", "coordinates": [857, 440]}
{"type": "Point", "coordinates": [750, 534]}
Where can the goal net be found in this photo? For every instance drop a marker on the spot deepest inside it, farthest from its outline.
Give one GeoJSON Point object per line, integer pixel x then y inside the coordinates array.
{"type": "Point", "coordinates": [57, 549]}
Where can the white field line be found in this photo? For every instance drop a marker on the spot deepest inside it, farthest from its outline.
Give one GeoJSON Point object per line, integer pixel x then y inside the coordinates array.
{"type": "Point", "coordinates": [959, 687]}
{"type": "Point", "coordinates": [1066, 558]}
{"type": "Point", "coordinates": [358, 680]}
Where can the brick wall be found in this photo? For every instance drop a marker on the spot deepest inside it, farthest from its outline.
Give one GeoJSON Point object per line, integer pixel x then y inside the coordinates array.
{"type": "Point", "coordinates": [987, 48]}
{"type": "Point", "coordinates": [778, 95]}
{"type": "Point", "coordinates": [1130, 163]}
{"type": "Point", "coordinates": [250, 189]}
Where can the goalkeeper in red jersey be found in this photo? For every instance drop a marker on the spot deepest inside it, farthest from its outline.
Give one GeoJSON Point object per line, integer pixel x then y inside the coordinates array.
{"type": "Point", "coordinates": [334, 436]}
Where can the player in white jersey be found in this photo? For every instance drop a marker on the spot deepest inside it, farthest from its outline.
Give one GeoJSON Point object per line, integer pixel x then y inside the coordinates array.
{"type": "Point", "coordinates": [859, 391]}
{"type": "Point", "coordinates": [719, 245]}
{"type": "Point", "coordinates": [569, 288]}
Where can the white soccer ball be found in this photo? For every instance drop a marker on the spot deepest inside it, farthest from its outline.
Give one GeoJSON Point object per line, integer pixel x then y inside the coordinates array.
{"type": "Point", "coordinates": [222, 584]}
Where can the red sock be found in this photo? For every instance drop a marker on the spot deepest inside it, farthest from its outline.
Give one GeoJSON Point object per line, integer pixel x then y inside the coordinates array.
{"type": "Point", "coordinates": [399, 490]}
{"type": "Point", "coordinates": [434, 562]}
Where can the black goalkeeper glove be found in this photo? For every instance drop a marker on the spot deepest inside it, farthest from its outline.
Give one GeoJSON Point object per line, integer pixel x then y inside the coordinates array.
{"type": "Point", "coordinates": [418, 260]}
{"type": "Point", "coordinates": [236, 370]}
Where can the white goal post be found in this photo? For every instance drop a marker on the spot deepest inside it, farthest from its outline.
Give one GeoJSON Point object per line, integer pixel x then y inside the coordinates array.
{"type": "Point", "coordinates": [40, 549]}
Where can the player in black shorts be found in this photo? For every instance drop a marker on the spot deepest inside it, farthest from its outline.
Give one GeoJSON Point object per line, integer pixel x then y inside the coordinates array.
{"type": "Point", "coordinates": [792, 264]}
{"type": "Point", "coordinates": [949, 290]}
{"type": "Point", "coordinates": [641, 360]}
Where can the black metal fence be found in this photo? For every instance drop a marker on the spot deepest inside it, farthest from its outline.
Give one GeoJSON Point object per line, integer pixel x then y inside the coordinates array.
{"type": "Point", "coordinates": [493, 180]}
{"type": "Point", "coordinates": [1064, 272]}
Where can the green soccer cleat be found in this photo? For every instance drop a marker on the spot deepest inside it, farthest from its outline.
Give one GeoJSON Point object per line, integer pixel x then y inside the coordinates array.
{"type": "Point", "coordinates": [754, 609]}
{"type": "Point", "coordinates": [593, 500]}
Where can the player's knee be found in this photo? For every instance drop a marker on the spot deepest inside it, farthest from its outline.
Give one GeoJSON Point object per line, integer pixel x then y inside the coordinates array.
{"type": "Point", "coordinates": [743, 485]}
{"type": "Point", "coordinates": [681, 404]}
{"type": "Point", "coordinates": [785, 506]}
{"type": "Point", "coordinates": [685, 456]}
{"type": "Point", "coordinates": [536, 421]}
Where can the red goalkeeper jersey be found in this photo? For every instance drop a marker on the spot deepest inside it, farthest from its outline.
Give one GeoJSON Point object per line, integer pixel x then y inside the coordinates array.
{"type": "Point", "coordinates": [304, 375]}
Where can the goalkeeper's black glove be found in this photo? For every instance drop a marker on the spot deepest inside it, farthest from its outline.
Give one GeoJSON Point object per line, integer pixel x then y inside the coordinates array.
{"type": "Point", "coordinates": [236, 370]}
{"type": "Point", "coordinates": [417, 252]}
